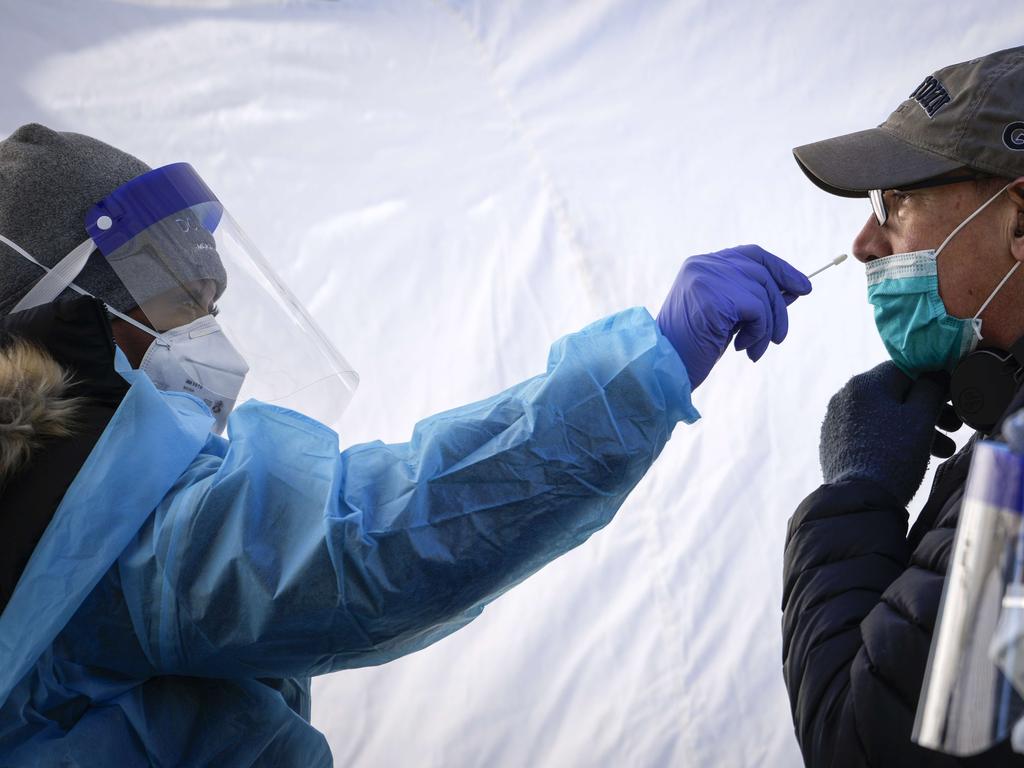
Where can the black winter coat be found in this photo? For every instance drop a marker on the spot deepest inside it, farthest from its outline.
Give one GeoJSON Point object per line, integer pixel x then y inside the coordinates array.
{"type": "Point", "coordinates": [860, 602]}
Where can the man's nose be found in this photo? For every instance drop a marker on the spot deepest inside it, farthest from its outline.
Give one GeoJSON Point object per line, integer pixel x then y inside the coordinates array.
{"type": "Point", "coordinates": [871, 242]}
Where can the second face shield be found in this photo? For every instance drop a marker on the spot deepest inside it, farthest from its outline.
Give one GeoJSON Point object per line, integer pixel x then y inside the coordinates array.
{"type": "Point", "coordinates": [972, 693]}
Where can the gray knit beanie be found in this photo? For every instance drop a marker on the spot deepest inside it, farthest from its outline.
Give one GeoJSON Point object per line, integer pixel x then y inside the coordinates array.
{"type": "Point", "coordinates": [48, 180]}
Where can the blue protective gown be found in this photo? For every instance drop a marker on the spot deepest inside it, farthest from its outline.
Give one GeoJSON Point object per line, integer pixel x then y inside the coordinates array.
{"type": "Point", "coordinates": [188, 586]}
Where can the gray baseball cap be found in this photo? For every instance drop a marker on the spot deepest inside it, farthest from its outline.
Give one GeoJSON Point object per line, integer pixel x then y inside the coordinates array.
{"type": "Point", "coordinates": [968, 114]}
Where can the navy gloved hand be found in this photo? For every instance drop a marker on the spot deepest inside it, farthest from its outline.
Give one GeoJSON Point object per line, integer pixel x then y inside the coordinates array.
{"type": "Point", "coordinates": [741, 292]}
{"type": "Point", "coordinates": [880, 426]}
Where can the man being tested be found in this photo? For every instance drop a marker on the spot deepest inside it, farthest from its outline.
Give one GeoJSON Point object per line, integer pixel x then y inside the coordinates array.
{"type": "Point", "coordinates": [941, 248]}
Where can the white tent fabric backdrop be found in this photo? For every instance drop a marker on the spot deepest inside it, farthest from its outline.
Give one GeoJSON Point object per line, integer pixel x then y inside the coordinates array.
{"type": "Point", "coordinates": [452, 185]}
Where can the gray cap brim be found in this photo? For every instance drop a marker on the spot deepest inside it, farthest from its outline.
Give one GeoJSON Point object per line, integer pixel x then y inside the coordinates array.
{"type": "Point", "coordinates": [851, 165]}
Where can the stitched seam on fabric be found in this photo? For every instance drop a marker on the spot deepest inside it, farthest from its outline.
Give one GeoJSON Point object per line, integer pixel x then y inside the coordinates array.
{"type": "Point", "coordinates": [979, 98]}
{"type": "Point", "coordinates": [876, 673]}
{"type": "Point", "coordinates": [816, 566]}
{"type": "Point", "coordinates": [847, 513]}
{"type": "Point", "coordinates": [899, 134]}
{"type": "Point", "coordinates": [842, 669]}
{"type": "Point", "coordinates": [844, 666]}
{"type": "Point", "coordinates": [834, 634]}
{"type": "Point", "coordinates": [822, 599]}
{"type": "Point", "coordinates": [927, 567]}
{"type": "Point", "coordinates": [559, 207]}
{"type": "Point", "coordinates": [847, 691]}
{"type": "Point", "coordinates": [900, 265]}
{"type": "Point", "coordinates": [856, 729]}
{"type": "Point", "coordinates": [906, 617]}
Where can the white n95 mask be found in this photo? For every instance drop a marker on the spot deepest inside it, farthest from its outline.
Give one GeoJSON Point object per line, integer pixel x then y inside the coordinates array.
{"type": "Point", "coordinates": [197, 358]}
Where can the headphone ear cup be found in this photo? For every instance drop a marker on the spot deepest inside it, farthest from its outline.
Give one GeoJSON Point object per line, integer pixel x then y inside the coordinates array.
{"type": "Point", "coordinates": [982, 387]}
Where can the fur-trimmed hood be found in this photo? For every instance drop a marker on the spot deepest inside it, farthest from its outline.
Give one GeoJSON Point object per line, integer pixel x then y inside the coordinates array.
{"type": "Point", "coordinates": [59, 390]}
{"type": "Point", "coordinates": [34, 404]}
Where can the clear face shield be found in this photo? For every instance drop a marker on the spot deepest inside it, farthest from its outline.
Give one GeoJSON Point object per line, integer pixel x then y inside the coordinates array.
{"type": "Point", "coordinates": [224, 326]}
{"type": "Point", "coordinates": [971, 697]}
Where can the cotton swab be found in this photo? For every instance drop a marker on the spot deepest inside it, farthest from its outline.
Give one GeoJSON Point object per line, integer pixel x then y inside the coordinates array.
{"type": "Point", "coordinates": [837, 260]}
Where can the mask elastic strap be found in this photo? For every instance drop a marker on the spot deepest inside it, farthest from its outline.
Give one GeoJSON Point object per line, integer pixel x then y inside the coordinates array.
{"type": "Point", "coordinates": [21, 251]}
{"type": "Point", "coordinates": [966, 221]}
{"type": "Point", "coordinates": [976, 320]}
{"type": "Point", "coordinates": [58, 278]}
{"type": "Point", "coordinates": [26, 255]}
{"type": "Point", "coordinates": [121, 316]}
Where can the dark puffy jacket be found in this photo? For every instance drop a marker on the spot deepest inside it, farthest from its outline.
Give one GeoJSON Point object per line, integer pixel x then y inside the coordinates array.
{"type": "Point", "coordinates": [860, 601]}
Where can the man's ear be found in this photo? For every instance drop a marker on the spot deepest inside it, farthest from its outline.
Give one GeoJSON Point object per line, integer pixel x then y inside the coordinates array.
{"type": "Point", "coordinates": [1016, 191]}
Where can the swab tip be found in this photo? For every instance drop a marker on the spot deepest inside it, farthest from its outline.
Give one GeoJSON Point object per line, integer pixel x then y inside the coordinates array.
{"type": "Point", "coordinates": [837, 260]}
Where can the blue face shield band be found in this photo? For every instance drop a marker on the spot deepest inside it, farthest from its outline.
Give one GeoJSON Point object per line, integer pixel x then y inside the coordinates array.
{"type": "Point", "coordinates": [918, 333]}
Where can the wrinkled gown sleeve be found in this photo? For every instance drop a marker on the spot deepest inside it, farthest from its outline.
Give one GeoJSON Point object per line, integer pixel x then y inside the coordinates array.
{"type": "Point", "coordinates": [275, 555]}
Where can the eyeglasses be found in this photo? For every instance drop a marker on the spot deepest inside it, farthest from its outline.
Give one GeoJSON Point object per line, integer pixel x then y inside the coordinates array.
{"type": "Point", "coordinates": [877, 196]}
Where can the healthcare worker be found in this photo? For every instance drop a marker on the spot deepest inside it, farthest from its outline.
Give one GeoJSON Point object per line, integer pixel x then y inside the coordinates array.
{"type": "Point", "coordinates": [176, 568]}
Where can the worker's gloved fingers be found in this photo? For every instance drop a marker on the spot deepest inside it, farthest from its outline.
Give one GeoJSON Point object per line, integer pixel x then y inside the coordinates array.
{"type": "Point", "coordinates": [759, 279]}
{"type": "Point", "coordinates": [789, 297]}
{"type": "Point", "coordinates": [780, 315]}
{"type": "Point", "coordinates": [948, 420]}
{"type": "Point", "coordinates": [750, 341]}
{"type": "Point", "coordinates": [757, 350]}
{"type": "Point", "coordinates": [754, 344]}
{"type": "Point", "coordinates": [942, 446]}
{"type": "Point", "coordinates": [754, 322]}
{"type": "Point", "coordinates": [788, 278]}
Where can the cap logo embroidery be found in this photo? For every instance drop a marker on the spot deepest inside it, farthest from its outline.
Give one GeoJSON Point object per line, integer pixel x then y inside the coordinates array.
{"type": "Point", "coordinates": [931, 95]}
{"type": "Point", "coordinates": [1013, 136]}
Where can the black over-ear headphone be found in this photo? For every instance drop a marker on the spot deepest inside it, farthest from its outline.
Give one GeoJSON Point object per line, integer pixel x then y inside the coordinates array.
{"type": "Point", "coordinates": [984, 384]}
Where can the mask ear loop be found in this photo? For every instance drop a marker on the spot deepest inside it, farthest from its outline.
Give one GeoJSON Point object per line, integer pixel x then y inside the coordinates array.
{"type": "Point", "coordinates": [967, 221]}
{"type": "Point", "coordinates": [60, 280]}
{"type": "Point", "coordinates": [976, 320]}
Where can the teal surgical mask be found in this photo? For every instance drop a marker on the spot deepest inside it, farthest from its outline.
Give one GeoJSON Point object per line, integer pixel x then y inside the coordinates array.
{"type": "Point", "coordinates": [918, 332]}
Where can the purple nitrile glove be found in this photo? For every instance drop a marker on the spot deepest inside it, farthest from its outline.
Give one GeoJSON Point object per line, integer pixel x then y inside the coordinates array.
{"type": "Point", "coordinates": [741, 291]}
